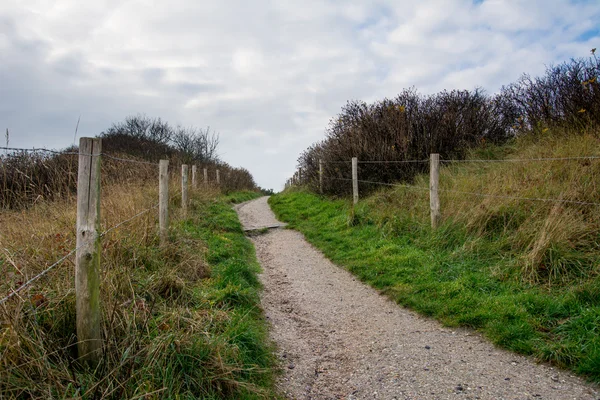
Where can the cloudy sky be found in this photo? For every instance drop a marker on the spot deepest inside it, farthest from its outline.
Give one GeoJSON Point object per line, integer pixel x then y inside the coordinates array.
{"type": "Point", "coordinates": [266, 75]}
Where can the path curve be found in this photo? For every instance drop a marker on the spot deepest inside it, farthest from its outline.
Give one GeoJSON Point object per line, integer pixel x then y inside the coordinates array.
{"type": "Point", "coordinates": [340, 339]}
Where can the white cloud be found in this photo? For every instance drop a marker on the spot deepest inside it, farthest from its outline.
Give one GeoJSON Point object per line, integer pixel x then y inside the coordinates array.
{"type": "Point", "coordinates": [267, 75]}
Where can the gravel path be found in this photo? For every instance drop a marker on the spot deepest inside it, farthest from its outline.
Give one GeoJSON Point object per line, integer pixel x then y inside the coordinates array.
{"type": "Point", "coordinates": [339, 339]}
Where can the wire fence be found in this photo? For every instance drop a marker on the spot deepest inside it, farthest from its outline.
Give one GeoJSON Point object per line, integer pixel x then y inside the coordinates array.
{"type": "Point", "coordinates": [393, 162]}
{"type": "Point", "coordinates": [76, 153]}
{"type": "Point", "coordinates": [70, 253]}
{"type": "Point", "coordinates": [524, 159]}
{"type": "Point", "coordinates": [41, 149]}
{"type": "Point", "coordinates": [413, 187]}
{"type": "Point", "coordinates": [383, 183]}
{"type": "Point", "coordinates": [128, 160]}
{"type": "Point", "coordinates": [435, 188]}
{"type": "Point", "coordinates": [174, 192]}
{"type": "Point", "coordinates": [26, 180]}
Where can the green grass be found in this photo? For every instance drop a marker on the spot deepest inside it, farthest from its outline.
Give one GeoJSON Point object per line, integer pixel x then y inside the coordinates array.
{"type": "Point", "coordinates": [233, 288]}
{"type": "Point", "coordinates": [240, 197]}
{"type": "Point", "coordinates": [454, 275]}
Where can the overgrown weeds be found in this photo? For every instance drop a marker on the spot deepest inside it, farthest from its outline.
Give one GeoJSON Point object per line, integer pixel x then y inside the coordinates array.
{"type": "Point", "coordinates": [179, 321]}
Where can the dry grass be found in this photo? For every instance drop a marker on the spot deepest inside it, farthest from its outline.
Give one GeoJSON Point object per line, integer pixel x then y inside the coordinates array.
{"type": "Point", "coordinates": [158, 317]}
{"type": "Point", "coordinates": [553, 241]}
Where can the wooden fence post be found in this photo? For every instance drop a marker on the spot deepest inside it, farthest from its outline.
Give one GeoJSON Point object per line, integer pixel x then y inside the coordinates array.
{"type": "Point", "coordinates": [184, 189]}
{"type": "Point", "coordinates": [87, 258]}
{"type": "Point", "coordinates": [163, 201]}
{"type": "Point", "coordinates": [434, 181]}
{"type": "Point", "coordinates": [194, 181]}
{"type": "Point", "coordinates": [205, 177]}
{"type": "Point", "coordinates": [218, 178]}
{"type": "Point", "coordinates": [355, 180]}
{"type": "Point", "coordinates": [300, 175]}
{"type": "Point", "coordinates": [321, 176]}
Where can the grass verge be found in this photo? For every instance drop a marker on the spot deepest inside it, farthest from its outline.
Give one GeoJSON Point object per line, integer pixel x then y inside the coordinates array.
{"type": "Point", "coordinates": [460, 275]}
{"type": "Point", "coordinates": [242, 196]}
{"type": "Point", "coordinates": [181, 321]}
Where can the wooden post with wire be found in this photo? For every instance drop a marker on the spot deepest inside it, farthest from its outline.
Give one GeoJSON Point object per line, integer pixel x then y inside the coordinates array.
{"type": "Point", "coordinates": [434, 182]}
{"type": "Point", "coordinates": [163, 202]}
{"type": "Point", "coordinates": [87, 255]}
{"type": "Point", "coordinates": [218, 178]}
{"type": "Point", "coordinates": [321, 176]}
{"type": "Point", "coordinates": [184, 189]}
{"type": "Point", "coordinates": [205, 177]}
{"type": "Point", "coordinates": [354, 180]}
{"type": "Point", "coordinates": [194, 178]}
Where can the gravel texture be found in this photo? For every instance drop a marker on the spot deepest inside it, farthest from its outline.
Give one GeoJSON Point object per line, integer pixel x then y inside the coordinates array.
{"type": "Point", "coordinates": [340, 339]}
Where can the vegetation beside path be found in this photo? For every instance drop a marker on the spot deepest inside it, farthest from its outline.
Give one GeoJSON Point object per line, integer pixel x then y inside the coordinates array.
{"type": "Point", "coordinates": [181, 321]}
{"type": "Point", "coordinates": [526, 274]}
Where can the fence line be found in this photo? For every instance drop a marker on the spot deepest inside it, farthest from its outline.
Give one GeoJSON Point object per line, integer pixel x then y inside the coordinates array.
{"type": "Point", "coordinates": [73, 153]}
{"type": "Point", "coordinates": [128, 160]}
{"type": "Point", "coordinates": [62, 259]}
{"type": "Point", "coordinates": [70, 153]}
{"type": "Point", "coordinates": [128, 220]}
{"type": "Point", "coordinates": [587, 203]}
{"type": "Point", "coordinates": [525, 159]}
{"type": "Point", "coordinates": [392, 161]}
{"type": "Point", "coordinates": [88, 235]}
{"type": "Point", "coordinates": [294, 180]}
{"type": "Point", "coordinates": [434, 188]}
{"type": "Point", "coordinates": [382, 183]}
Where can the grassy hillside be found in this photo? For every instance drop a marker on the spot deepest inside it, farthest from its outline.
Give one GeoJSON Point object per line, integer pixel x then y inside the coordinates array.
{"type": "Point", "coordinates": [181, 321]}
{"type": "Point", "coordinates": [525, 273]}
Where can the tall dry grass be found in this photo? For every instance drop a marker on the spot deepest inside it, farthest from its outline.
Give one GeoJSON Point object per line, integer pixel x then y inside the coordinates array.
{"type": "Point", "coordinates": [552, 241]}
{"type": "Point", "coordinates": [154, 311]}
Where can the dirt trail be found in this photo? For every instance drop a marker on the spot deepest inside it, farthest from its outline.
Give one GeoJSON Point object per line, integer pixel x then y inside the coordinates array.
{"type": "Point", "coordinates": [339, 339]}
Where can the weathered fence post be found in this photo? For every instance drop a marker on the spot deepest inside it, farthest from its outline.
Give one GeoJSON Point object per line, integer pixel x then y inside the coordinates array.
{"type": "Point", "coordinates": [434, 181]}
{"type": "Point", "coordinates": [163, 201]}
{"type": "Point", "coordinates": [205, 177]}
{"type": "Point", "coordinates": [184, 189]}
{"type": "Point", "coordinates": [300, 176]}
{"type": "Point", "coordinates": [218, 178]}
{"type": "Point", "coordinates": [355, 180]}
{"type": "Point", "coordinates": [87, 258]}
{"type": "Point", "coordinates": [321, 176]}
{"type": "Point", "coordinates": [194, 181]}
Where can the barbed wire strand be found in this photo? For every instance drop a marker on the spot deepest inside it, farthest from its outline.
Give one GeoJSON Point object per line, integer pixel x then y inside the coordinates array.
{"type": "Point", "coordinates": [128, 160]}
{"type": "Point", "coordinates": [383, 183]}
{"type": "Point", "coordinates": [468, 161]}
{"type": "Point", "coordinates": [587, 203]}
{"type": "Point", "coordinates": [128, 220]}
{"type": "Point", "coordinates": [62, 259]}
{"type": "Point", "coordinates": [392, 161]}
{"type": "Point", "coordinates": [525, 159]}
{"type": "Point", "coordinates": [77, 153]}
{"type": "Point", "coordinates": [38, 276]}
{"type": "Point", "coordinates": [40, 149]}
